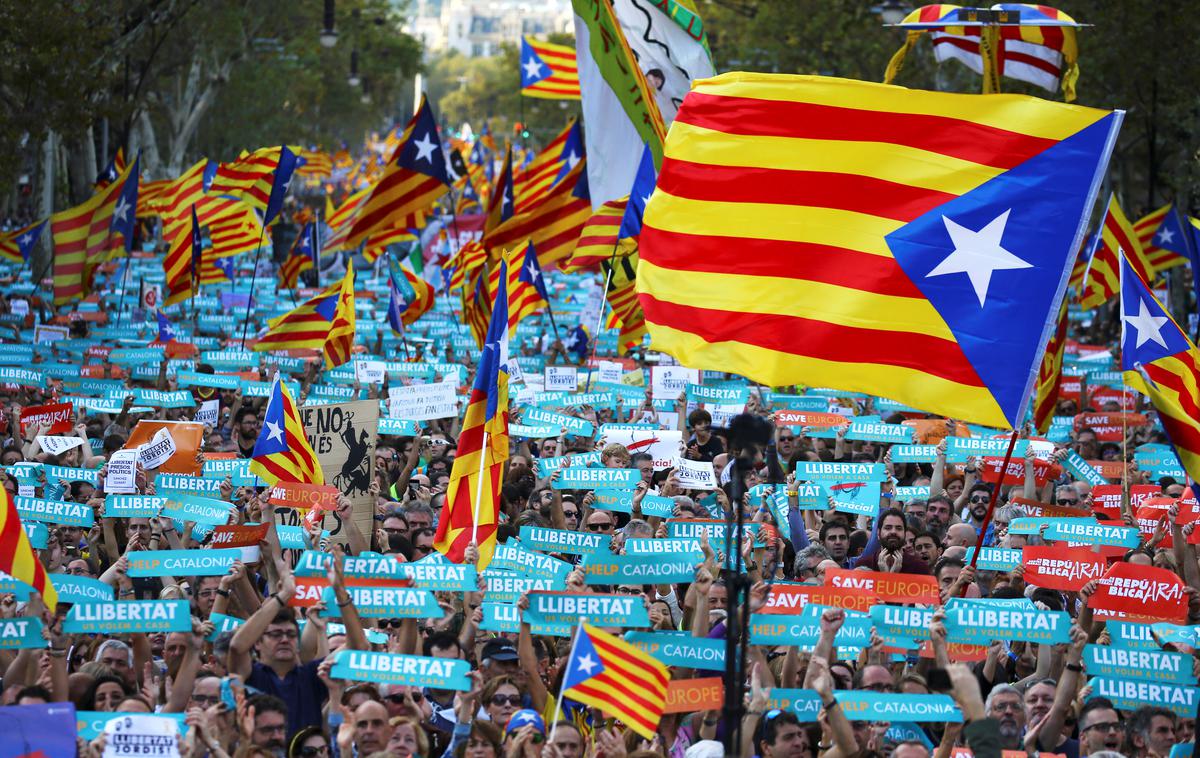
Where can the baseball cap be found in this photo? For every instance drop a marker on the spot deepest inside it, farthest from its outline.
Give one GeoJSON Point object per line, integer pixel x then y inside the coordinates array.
{"type": "Point", "coordinates": [524, 717]}
{"type": "Point", "coordinates": [499, 649]}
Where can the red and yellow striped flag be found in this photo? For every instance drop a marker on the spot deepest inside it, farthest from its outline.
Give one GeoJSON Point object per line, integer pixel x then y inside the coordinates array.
{"type": "Point", "coordinates": [626, 313]}
{"type": "Point", "coordinates": [548, 71]}
{"type": "Point", "coordinates": [606, 672]}
{"type": "Point", "coordinates": [598, 239]}
{"type": "Point", "coordinates": [1116, 234]}
{"type": "Point", "coordinates": [532, 182]}
{"type": "Point", "coordinates": [1146, 228]}
{"type": "Point", "coordinates": [553, 225]}
{"type": "Point", "coordinates": [1049, 379]}
{"type": "Point", "coordinates": [17, 558]}
{"type": "Point", "coordinates": [908, 244]}
{"type": "Point", "coordinates": [85, 236]}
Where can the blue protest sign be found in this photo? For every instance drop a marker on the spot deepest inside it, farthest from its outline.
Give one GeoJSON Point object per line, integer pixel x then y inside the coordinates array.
{"type": "Point", "coordinates": [128, 617]}
{"type": "Point", "coordinates": [181, 563]}
{"type": "Point", "coordinates": [580, 478]}
{"type": "Point", "coordinates": [1129, 694]}
{"type": "Point", "coordinates": [390, 668]}
{"type": "Point", "coordinates": [133, 506]}
{"type": "Point", "coordinates": [80, 589]}
{"type": "Point", "coordinates": [1151, 665]}
{"type": "Point", "coordinates": [21, 632]}
{"type": "Point", "coordinates": [681, 649]}
{"type": "Point", "coordinates": [385, 602]}
{"type": "Point", "coordinates": [978, 623]}
{"type": "Point", "coordinates": [563, 541]}
{"type": "Point", "coordinates": [515, 557]}
{"type": "Point", "coordinates": [202, 510]}
{"type": "Point", "coordinates": [55, 511]}
{"type": "Point", "coordinates": [600, 610]}
{"type": "Point", "coordinates": [866, 705]}
{"type": "Point", "coordinates": [638, 569]}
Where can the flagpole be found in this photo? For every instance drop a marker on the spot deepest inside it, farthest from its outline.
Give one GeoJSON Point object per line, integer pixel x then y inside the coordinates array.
{"type": "Point", "coordinates": [600, 318]}
{"type": "Point", "coordinates": [558, 711]}
{"type": "Point", "coordinates": [479, 488]}
{"type": "Point", "coordinates": [253, 277]}
{"type": "Point", "coordinates": [124, 279]}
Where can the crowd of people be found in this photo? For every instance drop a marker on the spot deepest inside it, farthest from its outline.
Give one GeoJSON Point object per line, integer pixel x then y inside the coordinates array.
{"type": "Point", "coordinates": [254, 675]}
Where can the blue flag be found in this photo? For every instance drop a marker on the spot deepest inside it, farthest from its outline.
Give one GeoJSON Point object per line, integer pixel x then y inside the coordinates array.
{"type": "Point", "coordinates": [166, 331]}
{"type": "Point", "coordinates": [30, 238]}
{"type": "Point", "coordinates": [124, 217]}
{"type": "Point", "coordinates": [639, 195]}
{"type": "Point", "coordinates": [288, 162]}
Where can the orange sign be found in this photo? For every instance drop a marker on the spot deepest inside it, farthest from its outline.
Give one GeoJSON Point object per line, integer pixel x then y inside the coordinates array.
{"type": "Point", "coordinates": [890, 588]}
{"type": "Point", "coordinates": [187, 435]}
{"type": "Point", "coordinates": [322, 497]}
{"type": "Point", "coordinates": [689, 695]}
{"type": "Point", "coordinates": [1038, 509]}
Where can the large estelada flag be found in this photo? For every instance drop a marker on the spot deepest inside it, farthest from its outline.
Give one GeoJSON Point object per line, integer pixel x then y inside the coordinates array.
{"type": "Point", "coordinates": [90, 233]}
{"type": "Point", "coordinates": [548, 70]}
{"type": "Point", "coordinates": [827, 232]}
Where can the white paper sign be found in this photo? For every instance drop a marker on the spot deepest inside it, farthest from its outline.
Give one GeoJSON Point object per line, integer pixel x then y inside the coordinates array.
{"type": "Point", "coordinates": [122, 470]}
{"type": "Point", "coordinates": [156, 452]}
{"type": "Point", "coordinates": [610, 371]}
{"type": "Point", "coordinates": [696, 475]}
{"type": "Point", "coordinates": [668, 382]}
{"type": "Point", "coordinates": [561, 378]}
{"type": "Point", "coordinates": [56, 445]}
{"type": "Point", "coordinates": [370, 372]}
{"type": "Point", "coordinates": [664, 445]}
{"type": "Point", "coordinates": [207, 413]}
{"type": "Point", "coordinates": [423, 402]}
{"type": "Point", "coordinates": [141, 734]}
{"type": "Point", "coordinates": [45, 333]}
{"type": "Point", "coordinates": [19, 307]}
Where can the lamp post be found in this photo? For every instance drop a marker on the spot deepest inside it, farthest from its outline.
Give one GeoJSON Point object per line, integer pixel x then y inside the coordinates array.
{"type": "Point", "coordinates": [891, 11]}
{"type": "Point", "coordinates": [353, 80]}
{"type": "Point", "coordinates": [328, 33]}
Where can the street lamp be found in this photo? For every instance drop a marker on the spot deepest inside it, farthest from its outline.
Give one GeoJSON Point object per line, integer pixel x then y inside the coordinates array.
{"type": "Point", "coordinates": [328, 33]}
{"type": "Point", "coordinates": [353, 80]}
{"type": "Point", "coordinates": [891, 11]}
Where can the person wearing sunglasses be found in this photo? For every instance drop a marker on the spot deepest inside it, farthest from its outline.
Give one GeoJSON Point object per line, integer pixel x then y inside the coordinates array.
{"type": "Point", "coordinates": [501, 698]}
{"type": "Point", "coordinates": [309, 742]}
{"type": "Point", "coordinates": [525, 733]}
{"type": "Point", "coordinates": [600, 522]}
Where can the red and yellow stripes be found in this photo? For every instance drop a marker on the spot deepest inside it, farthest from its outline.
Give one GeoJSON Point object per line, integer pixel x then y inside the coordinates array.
{"type": "Point", "coordinates": [763, 250]}
{"type": "Point", "coordinates": [249, 178]}
{"type": "Point", "coordinates": [536, 179]}
{"type": "Point", "coordinates": [290, 269]}
{"type": "Point", "coordinates": [423, 300]}
{"type": "Point", "coordinates": [339, 344]}
{"type": "Point", "coordinates": [1174, 390]}
{"type": "Point", "coordinates": [1049, 378]}
{"type": "Point", "coordinates": [17, 558]}
{"type": "Point", "coordinates": [296, 463]}
{"type": "Point", "coordinates": [553, 226]}
{"type": "Point", "coordinates": [1145, 229]}
{"type": "Point", "coordinates": [632, 686]}
{"type": "Point", "coordinates": [597, 241]}
{"type": "Point", "coordinates": [563, 81]}
{"type": "Point", "coordinates": [82, 238]}
{"type": "Point", "coordinates": [468, 258]}
{"type": "Point", "coordinates": [622, 298]}
{"type": "Point", "coordinates": [1104, 278]}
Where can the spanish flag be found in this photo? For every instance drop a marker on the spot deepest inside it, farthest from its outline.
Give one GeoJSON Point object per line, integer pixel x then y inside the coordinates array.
{"type": "Point", "coordinates": [17, 558]}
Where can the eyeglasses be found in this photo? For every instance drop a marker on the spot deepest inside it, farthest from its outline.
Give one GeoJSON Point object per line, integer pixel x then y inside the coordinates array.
{"type": "Point", "coordinates": [205, 700]}
{"type": "Point", "coordinates": [391, 623]}
{"type": "Point", "coordinates": [570, 514]}
{"type": "Point", "coordinates": [1067, 501]}
{"type": "Point", "coordinates": [628, 591]}
{"type": "Point", "coordinates": [423, 549]}
{"type": "Point", "coordinates": [1104, 726]}
{"type": "Point", "coordinates": [308, 751]}
{"type": "Point", "coordinates": [788, 438]}
{"type": "Point", "coordinates": [500, 700]}
{"type": "Point", "coordinates": [398, 698]}
{"type": "Point", "coordinates": [606, 526]}
{"type": "Point", "coordinates": [282, 634]}
{"type": "Point", "coordinates": [981, 499]}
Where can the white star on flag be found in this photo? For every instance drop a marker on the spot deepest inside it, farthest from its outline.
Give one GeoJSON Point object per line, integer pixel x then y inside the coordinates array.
{"type": "Point", "coordinates": [978, 254]}
{"type": "Point", "coordinates": [122, 209]}
{"type": "Point", "coordinates": [572, 159]}
{"type": "Point", "coordinates": [1165, 236]}
{"type": "Point", "coordinates": [533, 69]}
{"type": "Point", "coordinates": [274, 432]}
{"type": "Point", "coordinates": [1149, 328]}
{"type": "Point", "coordinates": [24, 240]}
{"type": "Point", "coordinates": [533, 272]}
{"type": "Point", "coordinates": [587, 664]}
{"type": "Point", "coordinates": [425, 148]}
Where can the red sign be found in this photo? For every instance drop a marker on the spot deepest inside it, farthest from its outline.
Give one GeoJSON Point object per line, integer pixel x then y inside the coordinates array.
{"type": "Point", "coordinates": [791, 598]}
{"type": "Point", "coordinates": [1065, 569]}
{"type": "Point", "coordinates": [1109, 427]}
{"type": "Point", "coordinates": [1039, 509]}
{"type": "Point", "coordinates": [1043, 471]}
{"type": "Point", "coordinates": [57, 416]}
{"type": "Point", "coordinates": [890, 588]}
{"type": "Point", "coordinates": [1106, 498]}
{"type": "Point", "coordinates": [810, 418]}
{"type": "Point", "coordinates": [239, 536]}
{"type": "Point", "coordinates": [309, 588]}
{"type": "Point", "coordinates": [1131, 591]}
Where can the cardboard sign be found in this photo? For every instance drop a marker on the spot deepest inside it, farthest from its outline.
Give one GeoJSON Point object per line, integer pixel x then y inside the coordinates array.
{"type": "Point", "coordinates": [695, 475]}
{"type": "Point", "coordinates": [122, 472]}
{"type": "Point", "coordinates": [694, 695]}
{"type": "Point", "coordinates": [600, 610]}
{"type": "Point", "coordinates": [1049, 510]}
{"type": "Point", "coordinates": [890, 588]}
{"type": "Point", "coordinates": [244, 537]}
{"type": "Point", "coordinates": [1043, 471]}
{"type": "Point", "coordinates": [343, 436]}
{"type": "Point", "coordinates": [57, 445]}
{"type": "Point", "coordinates": [1152, 665]}
{"type": "Point", "coordinates": [1131, 591]}
{"type": "Point", "coordinates": [128, 617]}
{"type": "Point", "coordinates": [561, 379]}
{"type": "Point", "coordinates": [1061, 568]}
{"type": "Point", "coordinates": [578, 477]}
{"type": "Point", "coordinates": [187, 437]}
{"type": "Point", "coordinates": [391, 668]}
{"type": "Point", "coordinates": [298, 495]}
{"type": "Point", "coordinates": [181, 563]}
{"type": "Point", "coordinates": [57, 416]}
{"type": "Point", "coordinates": [156, 452]}
{"type": "Point", "coordinates": [1129, 695]}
